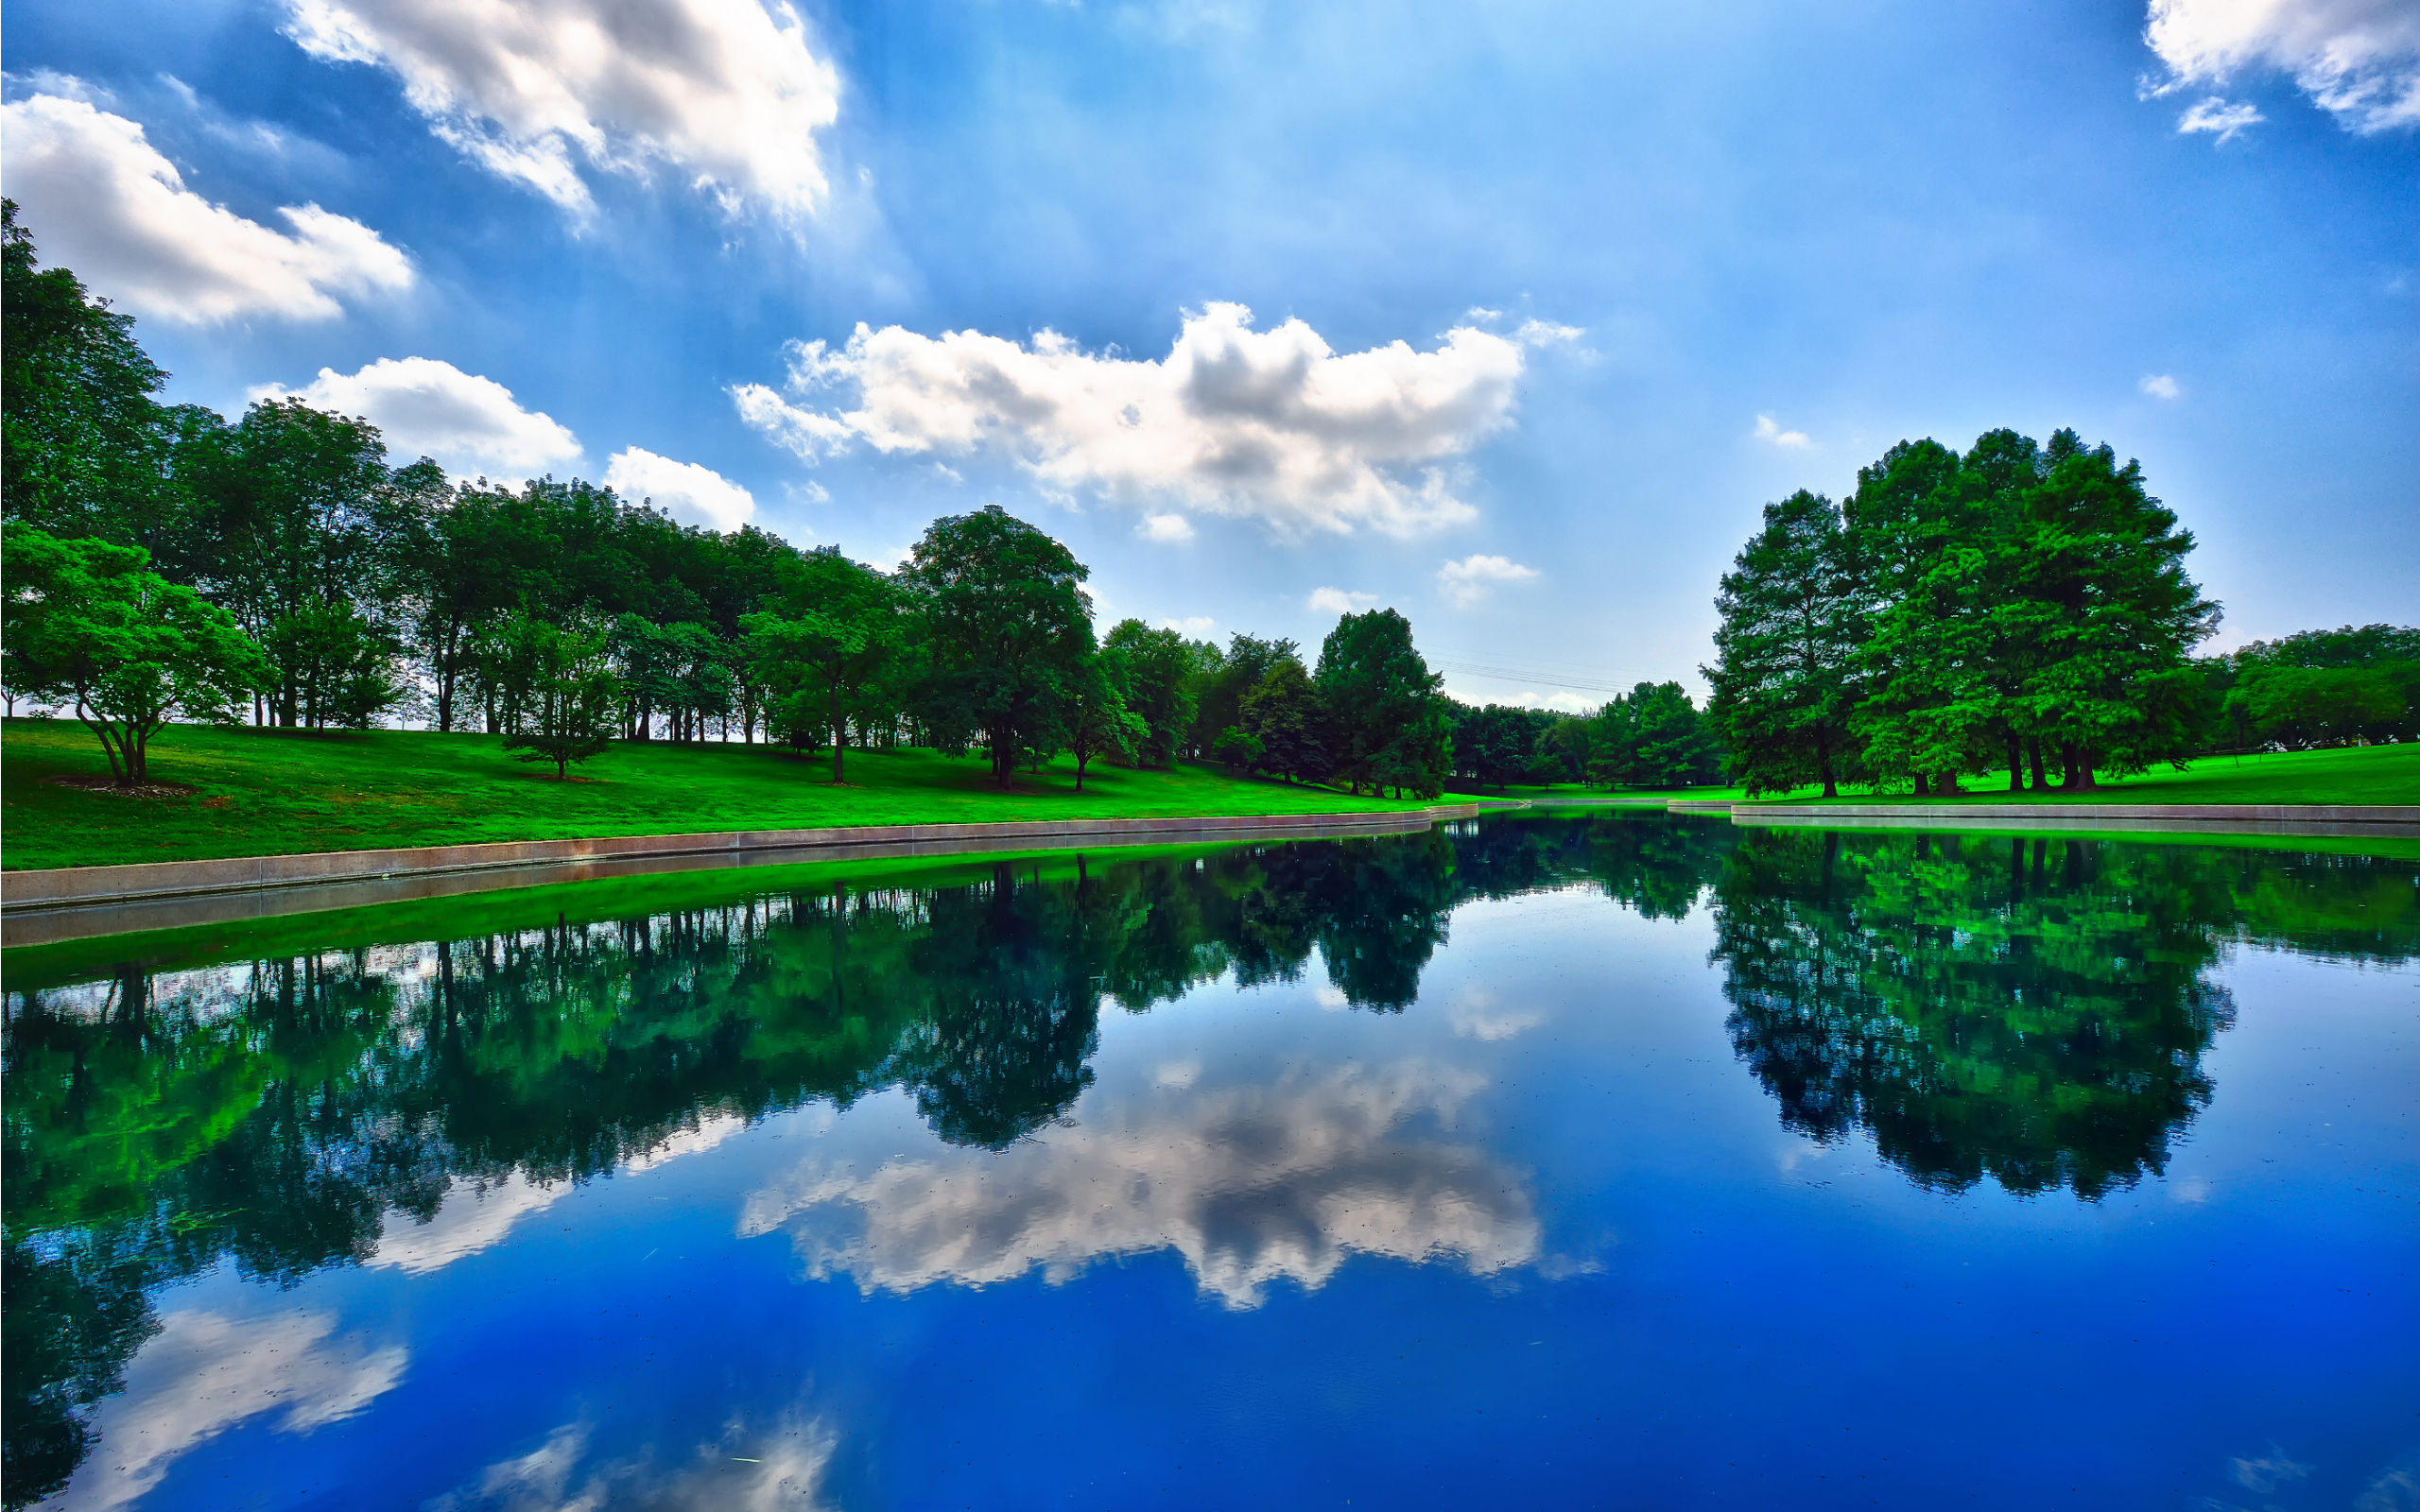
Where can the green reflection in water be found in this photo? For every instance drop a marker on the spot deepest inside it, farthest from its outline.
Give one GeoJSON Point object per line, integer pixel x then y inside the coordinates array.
{"type": "Point", "coordinates": [2034, 1011]}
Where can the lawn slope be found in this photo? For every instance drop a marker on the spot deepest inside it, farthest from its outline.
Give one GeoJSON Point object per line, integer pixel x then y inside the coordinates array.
{"type": "Point", "coordinates": [2368, 774]}
{"type": "Point", "coordinates": [270, 793]}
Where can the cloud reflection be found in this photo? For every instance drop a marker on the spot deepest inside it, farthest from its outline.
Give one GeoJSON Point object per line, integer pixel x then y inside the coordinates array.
{"type": "Point", "coordinates": [1249, 1184]}
{"type": "Point", "coordinates": [205, 1372]}
{"type": "Point", "coordinates": [740, 1471]}
{"type": "Point", "coordinates": [478, 1214]}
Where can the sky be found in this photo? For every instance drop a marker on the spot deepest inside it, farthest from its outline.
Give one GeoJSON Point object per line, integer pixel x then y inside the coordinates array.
{"type": "Point", "coordinates": [1510, 315]}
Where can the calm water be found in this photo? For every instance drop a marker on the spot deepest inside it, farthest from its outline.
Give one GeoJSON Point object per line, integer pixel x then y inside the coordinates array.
{"type": "Point", "coordinates": [1548, 1161]}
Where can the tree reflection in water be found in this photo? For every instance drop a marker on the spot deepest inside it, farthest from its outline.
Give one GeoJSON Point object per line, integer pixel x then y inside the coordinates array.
{"type": "Point", "coordinates": [2033, 1011]}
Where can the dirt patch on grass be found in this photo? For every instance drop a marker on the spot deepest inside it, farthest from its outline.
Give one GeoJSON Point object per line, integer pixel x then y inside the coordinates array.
{"type": "Point", "coordinates": [102, 784]}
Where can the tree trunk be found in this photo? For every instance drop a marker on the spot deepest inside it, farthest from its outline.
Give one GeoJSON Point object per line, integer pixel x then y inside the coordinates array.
{"type": "Point", "coordinates": [2015, 764]}
{"type": "Point", "coordinates": [2079, 764]}
{"type": "Point", "coordinates": [2033, 757]}
{"type": "Point", "coordinates": [1921, 790]}
{"type": "Point", "coordinates": [1824, 764]}
{"type": "Point", "coordinates": [840, 746]}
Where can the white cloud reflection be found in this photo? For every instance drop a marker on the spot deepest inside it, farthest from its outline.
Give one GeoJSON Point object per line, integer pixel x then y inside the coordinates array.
{"type": "Point", "coordinates": [1249, 1184]}
{"type": "Point", "coordinates": [205, 1372]}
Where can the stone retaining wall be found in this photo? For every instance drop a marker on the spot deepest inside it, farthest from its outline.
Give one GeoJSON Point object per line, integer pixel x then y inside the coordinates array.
{"type": "Point", "coordinates": [80, 902]}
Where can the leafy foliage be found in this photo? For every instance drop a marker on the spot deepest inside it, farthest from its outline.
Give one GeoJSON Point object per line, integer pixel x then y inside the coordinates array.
{"type": "Point", "coordinates": [89, 622]}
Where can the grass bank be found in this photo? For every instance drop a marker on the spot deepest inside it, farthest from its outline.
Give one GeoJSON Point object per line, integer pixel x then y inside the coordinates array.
{"type": "Point", "coordinates": [2367, 774]}
{"type": "Point", "coordinates": [262, 792]}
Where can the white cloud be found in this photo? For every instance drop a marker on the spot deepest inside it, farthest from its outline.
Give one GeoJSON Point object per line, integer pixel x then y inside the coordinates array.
{"type": "Point", "coordinates": [424, 407]}
{"type": "Point", "coordinates": [1470, 580]}
{"type": "Point", "coordinates": [1339, 601]}
{"type": "Point", "coordinates": [1768, 431]}
{"type": "Point", "coordinates": [723, 92]}
{"type": "Point", "coordinates": [696, 495]}
{"type": "Point", "coordinates": [2160, 385]}
{"type": "Point", "coordinates": [1270, 425]}
{"type": "Point", "coordinates": [2221, 120]}
{"type": "Point", "coordinates": [1250, 1185]}
{"type": "Point", "coordinates": [1193, 624]}
{"type": "Point", "coordinates": [1546, 334]}
{"type": "Point", "coordinates": [2359, 59]}
{"type": "Point", "coordinates": [1170, 528]}
{"type": "Point", "coordinates": [102, 200]}
{"type": "Point", "coordinates": [205, 1372]}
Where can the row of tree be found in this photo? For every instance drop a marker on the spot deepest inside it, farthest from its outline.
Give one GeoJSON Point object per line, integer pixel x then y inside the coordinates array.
{"type": "Point", "coordinates": [167, 563]}
{"type": "Point", "coordinates": [2020, 606]}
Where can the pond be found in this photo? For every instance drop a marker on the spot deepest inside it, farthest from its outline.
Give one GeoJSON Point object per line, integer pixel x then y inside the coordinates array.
{"type": "Point", "coordinates": [1621, 1161]}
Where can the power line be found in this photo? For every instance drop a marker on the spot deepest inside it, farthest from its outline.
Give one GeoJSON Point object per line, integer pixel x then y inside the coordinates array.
{"type": "Point", "coordinates": [1478, 669]}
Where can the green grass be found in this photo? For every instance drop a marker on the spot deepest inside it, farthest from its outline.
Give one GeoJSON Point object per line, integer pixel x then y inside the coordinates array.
{"type": "Point", "coordinates": [2365, 774]}
{"type": "Point", "coordinates": [270, 793]}
{"type": "Point", "coordinates": [2370, 773]}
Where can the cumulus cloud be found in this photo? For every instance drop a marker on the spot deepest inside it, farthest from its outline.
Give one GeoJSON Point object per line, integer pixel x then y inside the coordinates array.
{"type": "Point", "coordinates": [2160, 385]}
{"type": "Point", "coordinates": [1250, 1185]}
{"type": "Point", "coordinates": [684, 489]}
{"type": "Point", "coordinates": [1173, 529]}
{"type": "Point", "coordinates": [1768, 431]}
{"type": "Point", "coordinates": [725, 93]}
{"type": "Point", "coordinates": [1269, 425]}
{"type": "Point", "coordinates": [205, 1372]}
{"type": "Point", "coordinates": [1193, 624]}
{"type": "Point", "coordinates": [425, 407]}
{"type": "Point", "coordinates": [1470, 580]}
{"type": "Point", "coordinates": [1338, 601]}
{"type": "Point", "coordinates": [102, 200]}
{"type": "Point", "coordinates": [2359, 59]}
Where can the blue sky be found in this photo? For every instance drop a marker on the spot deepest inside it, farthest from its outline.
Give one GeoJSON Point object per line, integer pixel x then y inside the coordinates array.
{"type": "Point", "coordinates": [1648, 266]}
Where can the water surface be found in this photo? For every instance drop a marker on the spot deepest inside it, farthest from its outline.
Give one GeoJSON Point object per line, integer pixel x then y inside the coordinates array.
{"type": "Point", "coordinates": [1609, 1160]}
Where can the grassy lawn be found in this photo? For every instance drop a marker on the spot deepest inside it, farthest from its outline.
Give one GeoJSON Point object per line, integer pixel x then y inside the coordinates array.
{"type": "Point", "coordinates": [2369, 774]}
{"type": "Point", "coordinates": [264, 792]}
{"type": "Point", "coordinates": [2365, 774]}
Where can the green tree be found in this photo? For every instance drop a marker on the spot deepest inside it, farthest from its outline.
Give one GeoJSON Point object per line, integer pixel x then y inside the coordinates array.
{"type": "Point", "coordinates": [1004, 617]}
{"type": "Point", "coordinates": [567, 709]}
{"type": "Point", "coordinates": [338, 664]}
{"type": "Point", "coordinates": [829, 647]}
{"type": "Point", "coordinates": [1286, 728]}
{"type": "Point", "coordinates": [298, 510]}
{"type": "Point", "coordinates": [87, 620]}
{"type": "Point", "coordinates": [85, 448]}
{"type": "Point", "coordinates": [1652, 736]}
{"type": "Point", "coordinates": [1388, 714]}
{"type": "Point", "coordinates": [1161, 673]}
{"type": "Point", "coordinates": [1786, 649]}
{"type": "Point", "coordinates": [1098, 721]}
{"type": "Point", "coordinates": [2101, 579]}
{"type": "Point", "coordinates": [1496, 744]}
{"type": "Point", "coordinates": [1926, 709]}
{"type": "Point", "coordinates": [1222, 678]}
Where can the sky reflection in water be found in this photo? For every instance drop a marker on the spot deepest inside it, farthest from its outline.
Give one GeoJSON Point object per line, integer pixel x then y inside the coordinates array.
{"type": "Point", "coordinates": [1611, 1160]}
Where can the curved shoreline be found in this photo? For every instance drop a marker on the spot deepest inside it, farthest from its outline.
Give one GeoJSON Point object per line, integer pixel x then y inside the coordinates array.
{"type": "Point", "coordinates": [80, 903]}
